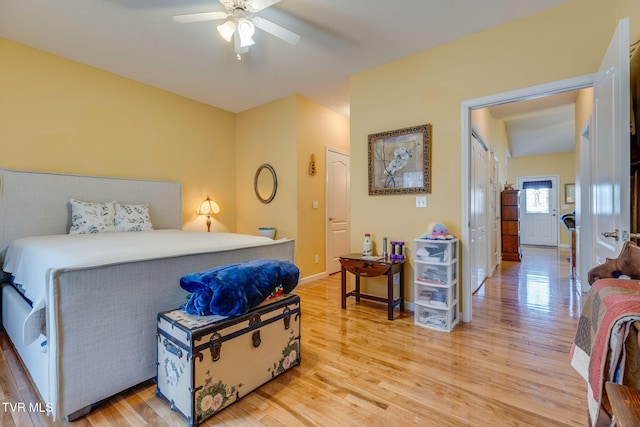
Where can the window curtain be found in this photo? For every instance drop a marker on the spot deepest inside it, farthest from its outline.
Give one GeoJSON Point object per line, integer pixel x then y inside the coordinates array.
{"type": "Point", "coordinates": [536, 185]}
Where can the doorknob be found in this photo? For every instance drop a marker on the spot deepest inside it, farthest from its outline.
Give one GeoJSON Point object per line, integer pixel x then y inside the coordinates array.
{"type": "Point", "coordinates": [613, 234]}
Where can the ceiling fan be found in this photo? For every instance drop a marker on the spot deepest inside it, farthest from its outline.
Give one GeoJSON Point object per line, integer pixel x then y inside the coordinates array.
{"type": "Point", "coordinates": [241, 23]}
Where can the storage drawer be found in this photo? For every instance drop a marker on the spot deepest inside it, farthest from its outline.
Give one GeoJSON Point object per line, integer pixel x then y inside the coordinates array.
{"type": "Point", "coordinates": [364, 268]}
{"type": "Point", "coordinates": [511, 227]}
{"type": "Point", "coordinates": [436, 251]}
{"type": "Point", "coordinates": [510, 213]}
{"type": "Point", "coordinates": [511, 198]}
{"type": "Point", "coordinates": [435, 318]}
{"type": "Point", "coordinates": [439, 297]}
{"type": "Point", "coordinates": [436, 274]}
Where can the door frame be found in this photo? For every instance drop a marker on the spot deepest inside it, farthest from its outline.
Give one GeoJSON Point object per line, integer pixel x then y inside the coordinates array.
{"type": "Point", "coordinates": [495, 210]}
{"type": "Point", "coordinates": [584, 233]}
{"type": "Point", "coordinates": [531, 92]}
{"type": "Point", "coordinates": [328, 252]}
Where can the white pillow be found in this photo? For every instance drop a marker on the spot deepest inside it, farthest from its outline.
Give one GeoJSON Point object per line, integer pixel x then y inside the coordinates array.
{"type": "Point", "coordinates": [87, 217]}
{"type": "Point", "coordinates": [132, 217]}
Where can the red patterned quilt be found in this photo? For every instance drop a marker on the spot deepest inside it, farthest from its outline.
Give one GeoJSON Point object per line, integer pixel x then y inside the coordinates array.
{"type": "Point", "coordinates": [598, 351]}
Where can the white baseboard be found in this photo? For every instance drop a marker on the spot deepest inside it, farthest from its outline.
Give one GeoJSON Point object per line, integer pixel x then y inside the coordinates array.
{"type": "Point", "coordinates": [308, 279]}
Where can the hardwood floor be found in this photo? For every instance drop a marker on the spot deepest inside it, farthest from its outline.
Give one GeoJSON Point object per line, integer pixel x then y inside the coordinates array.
{"type": "Point", "coordinates": [509, 367]}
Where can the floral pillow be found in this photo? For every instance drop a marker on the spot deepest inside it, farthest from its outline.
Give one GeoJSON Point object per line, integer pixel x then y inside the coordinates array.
{"type": "Point", "coordinates": [132, 217]}
{"type": "Point", "coordinates": [88, 217]}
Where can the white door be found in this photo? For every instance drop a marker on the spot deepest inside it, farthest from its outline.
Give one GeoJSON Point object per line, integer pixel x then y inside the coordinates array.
{"type": "Point", "coordinates": [538, 210]}
{"type": "Point", "coordinates": [610, 152]}
{"type": "Point", "coordinates": [338, 207]}
{"type": "Point", "coordinates": [478, 219]}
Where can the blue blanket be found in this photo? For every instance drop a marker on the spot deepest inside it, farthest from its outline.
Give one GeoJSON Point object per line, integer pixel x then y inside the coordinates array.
{"type": "Point", "coordinates": [234, 289]}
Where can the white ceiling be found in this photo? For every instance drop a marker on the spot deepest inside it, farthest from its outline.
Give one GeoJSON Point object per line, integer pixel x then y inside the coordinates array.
{"type": "Point", "coordinates": [539, 126]}
{"type": "Point", "coordinates": [138, 39]}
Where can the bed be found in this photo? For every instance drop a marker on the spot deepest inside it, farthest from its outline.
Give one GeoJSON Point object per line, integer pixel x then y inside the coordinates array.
{"type": "Point", "coordinates": [97, 318]}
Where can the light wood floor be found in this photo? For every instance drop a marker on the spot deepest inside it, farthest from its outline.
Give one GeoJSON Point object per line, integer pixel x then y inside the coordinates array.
{"type": "Point", "coordinates": [509, 367]}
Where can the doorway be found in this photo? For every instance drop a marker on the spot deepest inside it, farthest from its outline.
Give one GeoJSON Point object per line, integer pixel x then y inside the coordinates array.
{"type": "Point", "coordinates": [561, 86]}
{"type": "Point", "coordinates": [338, 204]}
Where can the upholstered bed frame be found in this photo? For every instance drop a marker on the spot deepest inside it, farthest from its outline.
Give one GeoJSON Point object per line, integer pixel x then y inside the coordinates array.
{"type": "Point", "coordinates": [100, 321]}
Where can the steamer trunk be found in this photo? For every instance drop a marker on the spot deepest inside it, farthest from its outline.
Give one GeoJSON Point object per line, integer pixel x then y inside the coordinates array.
{"type": "Point", "coordinates": [206, 363]}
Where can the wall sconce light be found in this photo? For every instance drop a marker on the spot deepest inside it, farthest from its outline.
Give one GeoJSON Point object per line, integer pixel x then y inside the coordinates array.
{"type": "Point", "coordinates": [208, 207]}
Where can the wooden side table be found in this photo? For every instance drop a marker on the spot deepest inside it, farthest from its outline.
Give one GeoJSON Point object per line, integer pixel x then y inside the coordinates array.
{"type": "Point", "coordinates": [625, 402]}
{"type": "Point", "coordinates": [372, 267]}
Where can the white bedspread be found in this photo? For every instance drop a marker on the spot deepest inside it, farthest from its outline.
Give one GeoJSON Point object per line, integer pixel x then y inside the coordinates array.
{"type": "Point", "coordinates": [29, 259]}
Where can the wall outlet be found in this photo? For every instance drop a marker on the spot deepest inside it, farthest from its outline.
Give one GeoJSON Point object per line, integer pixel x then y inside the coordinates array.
{"type": "Point", "coordinates": [316, 259]}
{"type": "Point", "coordinates": [315, 204]}
{"type": "Point", "coordinates": [421, 202]}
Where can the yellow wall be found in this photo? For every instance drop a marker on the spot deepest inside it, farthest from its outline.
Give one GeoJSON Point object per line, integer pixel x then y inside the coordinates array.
{"type": "Point", "coordinates": [284, 133]}
{"type": "Point", "coordinates": [494, 133]}
{"type": "Point", "coordinates": [429, 87]}
{"type": "Point", "coordinates": [61, 116]}
{"type": "Point", "coordinates": [58, 115]}
{"type": "Point", "coordinates": [630, 8]}
{"type": "Point", "coordinates": [267, 134]}
{"type": "Point", "coordinates": [317, 128]}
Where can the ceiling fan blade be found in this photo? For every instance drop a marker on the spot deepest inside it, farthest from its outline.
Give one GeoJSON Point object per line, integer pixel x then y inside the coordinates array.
{"type": "Point", "coordinates": [276, 30]}
{"type": "Point", "coordinates": [258, 5]}
{"type": "Point", "coordinates": [199, 17]}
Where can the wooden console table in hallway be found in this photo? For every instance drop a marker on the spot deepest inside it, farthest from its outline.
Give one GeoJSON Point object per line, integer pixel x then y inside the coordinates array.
{"type": "Point", "coordinates": [371, 267]}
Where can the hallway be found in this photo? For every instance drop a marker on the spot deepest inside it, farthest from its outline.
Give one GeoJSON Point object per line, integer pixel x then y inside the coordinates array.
{"type": "Point", "coordinates": [540, 284]}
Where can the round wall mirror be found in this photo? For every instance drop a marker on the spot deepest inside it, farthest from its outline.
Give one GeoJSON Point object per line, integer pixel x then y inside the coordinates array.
{"type": "Point", "coordinates": [265, 183]}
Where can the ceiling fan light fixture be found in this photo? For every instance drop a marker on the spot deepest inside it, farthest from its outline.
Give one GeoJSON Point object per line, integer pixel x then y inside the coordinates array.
{"type": "Point", "coordinates": [227, 30]}
{"type": "Point", "coordinates": [246, 30]}
{"type": "Point", "coordinates": [240, 23]}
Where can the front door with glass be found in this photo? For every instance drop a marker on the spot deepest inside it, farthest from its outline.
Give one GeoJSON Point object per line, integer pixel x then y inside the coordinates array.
{"type": "Point", "coordinates": [538, 210]}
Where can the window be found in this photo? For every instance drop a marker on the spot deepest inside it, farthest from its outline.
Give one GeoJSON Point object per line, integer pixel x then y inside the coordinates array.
{"type": "Point", "coordinates": [536, 201]}
{"type": "Point", "coordinates": [537, 197]}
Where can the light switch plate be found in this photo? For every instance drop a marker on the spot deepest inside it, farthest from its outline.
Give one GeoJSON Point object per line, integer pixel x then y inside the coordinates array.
{"type": "Point", "coordinates": [421, 202]}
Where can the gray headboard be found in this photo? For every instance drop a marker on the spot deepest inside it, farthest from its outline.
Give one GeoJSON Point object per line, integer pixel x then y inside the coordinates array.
{"type": "Point", "coordinates": [37, 203]}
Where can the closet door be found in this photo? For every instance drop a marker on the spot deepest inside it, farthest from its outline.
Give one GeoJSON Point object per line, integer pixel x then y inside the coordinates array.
{"type": "Point", "coordinates": [479, 248]}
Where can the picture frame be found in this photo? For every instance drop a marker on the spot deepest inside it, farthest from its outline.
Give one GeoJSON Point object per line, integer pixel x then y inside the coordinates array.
{"type": "Point", "coordinates": [400, 161]}
{"type": "Point", "coordinates": [570, 193]}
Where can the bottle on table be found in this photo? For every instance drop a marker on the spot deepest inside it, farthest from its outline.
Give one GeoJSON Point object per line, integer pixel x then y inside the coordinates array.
{"type": "Point", "coordinates": [367, 248]}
